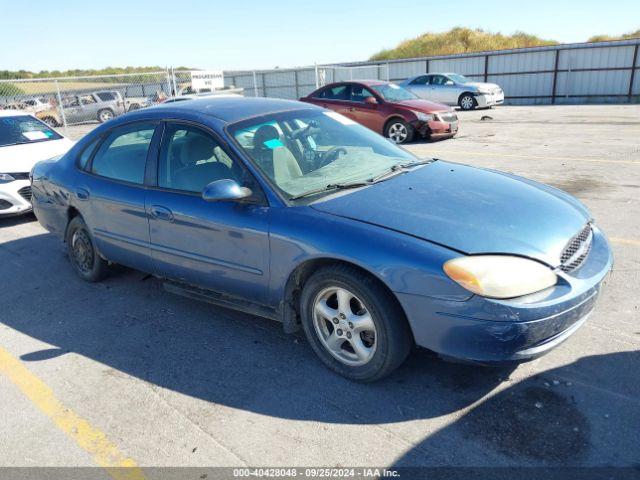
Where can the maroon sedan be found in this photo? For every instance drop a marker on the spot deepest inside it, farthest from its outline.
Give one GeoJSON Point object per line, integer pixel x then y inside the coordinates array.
{"type": "Point", "coordinates": [388, 109]}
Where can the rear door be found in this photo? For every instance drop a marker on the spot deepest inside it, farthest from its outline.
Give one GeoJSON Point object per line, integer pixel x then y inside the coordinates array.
{"type": "Point", "coordinates": [111, 194]}
{"type": "Point", "coordinates": [222, 246]}
{"type": "Point", "coordinates": [335, 98]}
{"type": "Point", "coordinates": [420, 86]}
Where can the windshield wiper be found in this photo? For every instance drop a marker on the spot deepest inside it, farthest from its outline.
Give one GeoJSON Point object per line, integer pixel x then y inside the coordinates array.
{"type": "Point", "coordinates": [331, 186]}
{"type": "Point", "coordinates": [397, 169]}
{"type": "Point", "coordinates": [391, 172]}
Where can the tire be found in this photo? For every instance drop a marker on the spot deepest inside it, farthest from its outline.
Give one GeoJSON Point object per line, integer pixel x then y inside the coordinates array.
{"type": "Point", "coordinates": [399, 131]}
{"type": "Point", "coordinates": [83, 255]}
{"type": "Point", "coordinates": [467, 102]}
{"type": "Point", "coordinates": [105, 115]}
{"type": "Point", "coordinates": [379, 328]}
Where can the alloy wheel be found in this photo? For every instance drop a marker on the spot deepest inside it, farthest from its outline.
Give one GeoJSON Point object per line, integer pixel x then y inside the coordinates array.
{"type": "Point", "coordinates": [398, 132]}
{"type": "Point", "coordinates": [466, 102]}
{"type": "Point", "coordinates": [344, 326]}
{"type": "Point", "coordinates": [105, 115]}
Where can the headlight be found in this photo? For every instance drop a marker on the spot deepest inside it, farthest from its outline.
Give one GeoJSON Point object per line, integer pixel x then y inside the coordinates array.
{"type": "Point", "coordinates": [6, 178]}
{"type": "Point", "coordinates": [484, 92]}
{"type": "Point", "coordinates": [423, 117]}
{"type": "Point", "coordinates": [500, 276]}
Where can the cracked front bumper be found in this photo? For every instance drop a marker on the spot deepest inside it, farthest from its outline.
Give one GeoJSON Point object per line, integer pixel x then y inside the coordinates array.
{"type": "Point", "coordinates": [485, 330]}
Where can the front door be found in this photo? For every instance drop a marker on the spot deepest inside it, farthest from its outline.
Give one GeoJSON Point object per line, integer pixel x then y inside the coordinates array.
{"type": "Point", "coordinates": [222, 246]}
{"type": "Point", "coordinates": [363, 112]}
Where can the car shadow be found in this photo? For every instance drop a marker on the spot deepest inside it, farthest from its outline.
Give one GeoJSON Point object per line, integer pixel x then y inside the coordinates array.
{"type": "Point", "coordinates": [17, 220]}
{"type": "Point", "coordinates": [131, 325]}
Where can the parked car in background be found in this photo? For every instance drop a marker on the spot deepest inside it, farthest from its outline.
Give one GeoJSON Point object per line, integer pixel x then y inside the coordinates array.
{"type": "Point", "coordinates": [24, 141]}
{"type": "Point", "coordinates": [301, 215]}
{"type": "Point", "coordinates": [136, 103]}
{"type": "Point", "coordinates": [101, 106]}
{"type": "Point", "coordinates": [455, 89]}
{"type": "Point", "coordinates": [35, 105]}
{"type": "Point", "coordinates": [387, 109]}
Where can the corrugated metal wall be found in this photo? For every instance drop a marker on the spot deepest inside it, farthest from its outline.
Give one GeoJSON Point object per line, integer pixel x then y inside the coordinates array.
{"type": "Point", "coordinates": [576, 73]}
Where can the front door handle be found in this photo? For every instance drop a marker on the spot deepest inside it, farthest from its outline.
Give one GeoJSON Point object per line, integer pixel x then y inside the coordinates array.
{"type": "Point", "coordinates": [161, 213]}
{"type": "Point", "coordinates": [82, 194]}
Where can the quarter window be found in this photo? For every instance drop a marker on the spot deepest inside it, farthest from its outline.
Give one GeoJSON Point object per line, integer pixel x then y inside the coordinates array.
{"type": "Point", "coordinates": [191, 159]}
{"type": "Point", "coordinates": [123, 154]}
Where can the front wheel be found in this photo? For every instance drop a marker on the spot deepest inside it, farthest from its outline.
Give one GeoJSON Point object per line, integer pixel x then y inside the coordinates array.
{"type": "Point", "coordinates": [399, 131]}
{"type": "Point", "coordinates": [82, 252]}
{"type": "Point", "coordinates": [467, 102]}
{"type": "Point", "coordinates": [353, 324]}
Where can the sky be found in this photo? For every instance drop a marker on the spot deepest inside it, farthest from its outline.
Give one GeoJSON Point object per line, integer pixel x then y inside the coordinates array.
{"type": "Point", "coordinates": [236, 34]}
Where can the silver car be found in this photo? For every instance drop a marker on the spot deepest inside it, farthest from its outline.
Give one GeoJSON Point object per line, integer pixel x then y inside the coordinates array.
{"type": "Point", "coordinates": [87, 107]}
{"type": "Point", "coordinates": [455, 89]}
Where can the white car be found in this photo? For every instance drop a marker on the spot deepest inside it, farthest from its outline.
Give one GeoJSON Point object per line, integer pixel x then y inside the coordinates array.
{"type": "Point", "coordinates": [455, 89]}
{"type": "Point", "coordinates": [24, 141]}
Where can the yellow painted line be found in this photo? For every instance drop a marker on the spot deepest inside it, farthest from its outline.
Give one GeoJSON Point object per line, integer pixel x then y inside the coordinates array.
{"type": "Point", "coordinates": [105, 453]}
{"type": "Point", "coordinates": [535, 157]}
{"type": "Point", "coordinates": [626, 241]}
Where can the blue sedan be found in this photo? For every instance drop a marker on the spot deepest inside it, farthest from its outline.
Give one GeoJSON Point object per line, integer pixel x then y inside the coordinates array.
{"type": "Point", "coordinates": [298, 214]}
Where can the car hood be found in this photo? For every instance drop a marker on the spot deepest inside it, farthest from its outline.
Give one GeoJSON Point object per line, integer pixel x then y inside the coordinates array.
{"type": "Point", "coordinates": [468, 209]}
{"type": "Point", "coordinates": [423, 105]}
{"type": "Point", "coordinates": [484, 86]}
{"type": "Point", "coordinates": [22, 158]}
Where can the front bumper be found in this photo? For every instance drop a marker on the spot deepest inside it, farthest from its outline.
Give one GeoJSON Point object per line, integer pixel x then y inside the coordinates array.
{"type": "Point", "coordinates": [436, 129]}
{"type": "Point", "coordinates": [15, 198]}
{"type": "Point", "coordinates": [485, 330]}
{"type": "Point", "coordinates": [489, 100]}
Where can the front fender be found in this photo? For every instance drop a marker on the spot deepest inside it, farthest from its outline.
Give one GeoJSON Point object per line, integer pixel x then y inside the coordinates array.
{"type": "Point", "coordinates": [403, 263]}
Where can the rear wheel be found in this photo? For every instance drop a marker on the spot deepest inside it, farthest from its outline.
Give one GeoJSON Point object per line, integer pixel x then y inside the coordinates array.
{"type": "Point", "coordinates": [399, 131]}
{"type": "Point", "coordinates": [467, 102]}
{"type": "Point", "coordinates": [82, 252]}
{"type": "Point", "coordinates": [105, 115]}
{"type": "Point", "coordinates": [353, 324]}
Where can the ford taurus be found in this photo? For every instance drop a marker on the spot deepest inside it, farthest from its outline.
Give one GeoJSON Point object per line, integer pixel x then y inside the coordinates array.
{"type": "Point", "coordinates": [299, 214]}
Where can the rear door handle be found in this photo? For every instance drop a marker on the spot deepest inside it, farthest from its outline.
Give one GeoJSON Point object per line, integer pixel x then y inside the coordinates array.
{"type": "Point", "coordinates": [161, 213]}
{"type": "Point", "coordinates": [82, 194]}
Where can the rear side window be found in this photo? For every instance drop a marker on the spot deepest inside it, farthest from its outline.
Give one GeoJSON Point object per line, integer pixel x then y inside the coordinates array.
{"type": "Point", "coordinates": [123, 154]}
{"type": "Point", "coordinates": [341, 92]}
{"type": "Point", "coordinates": [106, 96]}
{"type": "Point", "coordinates": [86, 154]}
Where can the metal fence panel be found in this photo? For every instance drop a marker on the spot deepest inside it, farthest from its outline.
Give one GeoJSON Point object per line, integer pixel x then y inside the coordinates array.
{"type": "Point", "coordinates": [600, 83]}
{"type": "Point", "coordinates": [521, 62]}
{"type": "Point", "coordinates": [465, 66]}
{"type": "Point", "coordinates": [401, 71]}
{"type": "Point", "coordinates": [599, 57]}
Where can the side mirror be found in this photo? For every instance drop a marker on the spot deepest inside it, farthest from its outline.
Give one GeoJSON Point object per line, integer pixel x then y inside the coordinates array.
{"type": "Point", "coordinates": [371, 100]}
{"type": "Point", "coordinates": [225, 189]}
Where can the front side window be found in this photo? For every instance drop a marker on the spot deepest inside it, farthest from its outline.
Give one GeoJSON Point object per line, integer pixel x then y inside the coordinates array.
{"type": "Point", "coordinates": [459, 78]}
{"type": "Point", "coordinates": [393, 93]}
{"type": "Point", "coordinates": [21, 129]}
{"type": "Point", "coordinates": [123, 154]}
{"type": "Point", "coordinates": [359, 93]}
{"type": "Point", "coordinates": [191, 158]}
{"type": "Point", "coordinates": [87, 100]}
{"type": "Point", "coordinates": [308, 150]}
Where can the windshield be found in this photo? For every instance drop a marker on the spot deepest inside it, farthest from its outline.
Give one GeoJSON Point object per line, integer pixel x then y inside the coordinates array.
{"type": "Point", "coordinates": [393, 93]}
{"type": "Point", "coordinates": [308, 150]}
{"type": "Point", "coordinates": [21, 129]}
{"type": "Point", "coordinates": [458, 78]}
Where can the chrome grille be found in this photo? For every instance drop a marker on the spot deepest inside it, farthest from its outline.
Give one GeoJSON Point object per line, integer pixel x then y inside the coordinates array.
{"type": "Point", "coordinates": [25, 192]}
{"type": "Point", "coordinates": [577, 250]}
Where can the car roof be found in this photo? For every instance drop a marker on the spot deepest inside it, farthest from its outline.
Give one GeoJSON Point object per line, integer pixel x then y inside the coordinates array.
{"type": "Point", "coordinates": [368, 83]}
{"type": "Point", "coordinates": [13, 113]}
{"type": "Point", "coordinates": [232, 109]}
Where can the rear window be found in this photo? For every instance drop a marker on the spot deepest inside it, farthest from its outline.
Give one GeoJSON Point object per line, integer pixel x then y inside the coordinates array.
{"type": "Point", "coordinates": [22, 129]}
